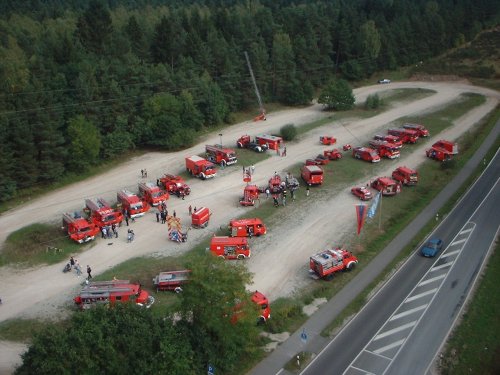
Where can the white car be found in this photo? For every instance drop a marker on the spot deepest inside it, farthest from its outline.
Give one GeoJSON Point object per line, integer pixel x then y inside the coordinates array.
{"type": "Point", "coordinates": [385, 80]}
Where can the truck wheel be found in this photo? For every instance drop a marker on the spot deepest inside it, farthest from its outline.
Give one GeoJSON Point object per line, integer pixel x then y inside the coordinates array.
{"type": "Point", "coordinates": [350, 267]}
{"type": "Point", "coordinates": [261, 321]}
{"type": "Point", "coordinates": [222, 257]}
{"type": "Point", "coordinates": [202, 176]}
{"type": "Point", "coordinates": [178, 290]}
{"type": "Point", "coordinates": [241, 256]}
{"type": "Point", "coordinates": [330, 277]}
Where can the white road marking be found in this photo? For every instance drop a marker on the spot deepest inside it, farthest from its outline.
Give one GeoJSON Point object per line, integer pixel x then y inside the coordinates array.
{"type": "Point", "coordinates": [408, 312]}
{"type": "Point", "coordinates": [441, 266]}
{"type": "Point", "coordinates": [363, 371]}
{"type": "Point", "coordinates": [431, 280]}
{"type": "Point", "coordinates": [451, 253]}
{"type": "Point", "coordinates": [423, 294]}
{"type": "Point", "coordinates": [466, 231]}
{"type": "Point", "coordinates": [390, 346]}
{"type": "Point", "coordinates": [459, 241]}
{"type": "Point", "coordinates": [395, 330]}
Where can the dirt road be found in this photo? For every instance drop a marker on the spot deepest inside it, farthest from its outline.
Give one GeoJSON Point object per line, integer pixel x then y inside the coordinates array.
{"type": "Point", "coordinates": [279, 260]}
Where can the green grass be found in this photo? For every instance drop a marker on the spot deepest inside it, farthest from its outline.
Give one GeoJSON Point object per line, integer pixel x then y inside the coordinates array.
{"type": "Point", "coordinates": [38, 244]}
{"type": "Point", "coordinates": [474, 347]}
{"type": "Point", "coordinates": [22, 330]}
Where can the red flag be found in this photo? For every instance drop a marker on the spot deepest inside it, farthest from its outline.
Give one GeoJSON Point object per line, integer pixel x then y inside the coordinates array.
{"type": "Point", "coordinates": [361, 215]}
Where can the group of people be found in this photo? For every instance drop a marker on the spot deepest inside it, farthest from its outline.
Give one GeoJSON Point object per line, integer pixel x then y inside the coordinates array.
{"type": "Point", "coordinates": [144, 173]}
{"type": "Point", "coordinates": [74, 264]}
{"type": "Point", "coordinates": [109, 230]}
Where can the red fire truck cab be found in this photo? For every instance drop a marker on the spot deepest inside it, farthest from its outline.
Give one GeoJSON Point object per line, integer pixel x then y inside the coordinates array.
{"type": "Point", "coordinates": [312, 174]}
{"type": "Point", "coordinates": [200, 217]}
{"type": "Point", "coordinates": [324, 264]}
{"type": "Point", "coordinates": [366, 153]}
{"type": "Point", "coordinates": [171, 280]}
{"type": "Point", "coordinates": [273, 142]}
{"type": "Point", "coordinates": [389, 138]}
{"type": "Point", "coordinates": [420, 129]}
{"type": "Point", "coordinates": [387, 186]}
{"type": "Point", "coordinates": [78, 228]}
{"type": "Point", "coordinates": [405, 135]}
{"type": "Point", "coordinates": [230, 247]}
{"type": "Point", "coordinates": [250, 195]}
{"type": "Point", "coordinates": [219, 155]}
{"type": "Point", "coordinates": [438, 153]}
{"type": "Point", "coordinates": [405, 175]}
{"type": "Point", "coordinates": [101, 213]}
{"type": "Point", "coordinates": [451, 147]}
{"type": "Point", "coordinates": [247, 227]}
{"type": "Point", "coordinates": [152, 193]}
{"type": "Point", "coordinates": [385, 149]}
{"type": "Point", "coordinates": [131, 202]}
{"type": "Point", "coordinates": [200, 167]}
{"type": "Point", "coordinates": [110, 292]}
{"type": "Point", "coordinates": [175, 185]}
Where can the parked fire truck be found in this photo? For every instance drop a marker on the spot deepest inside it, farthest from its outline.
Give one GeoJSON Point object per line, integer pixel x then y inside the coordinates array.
{"type": "Point", "coordinates": [366, 153]}
{"type": "Point", "coordinates": [200, 217]}
{"type": "Point", "coordinates": [389, 138]}
{"type": "Point", "coordinates": [245, 142]}
{"type": "Point", "coordinates": [265, 310]}
{"type": "Point", "coordinates": [152, 194]}
{"type": "Point", "coordinates": [131, 202]}
{"type": "Point", "coordinates": [324, 264]}
{"type": "Point", "coordinates": [175, 185]}
{"type": "Point", "coordinates": [247, 227]}
{"type": "Point", "coordinates": [219, 155]}
{"type": "Point", "coordinates": [420, 129]}
{"type": "Point", "coordinates": [78, 228]}
{"type": "Point", "coordinates": [405, 135]}
{"type": "Point", "coordinates": [387, 186]}
{"type": "Point", "coordinates": [327, 140]}
{"type": "Point", "coordinates": [405, 175]}
{"type": "Point", "coordinates": [451, 147]}
{"type": "Point", "coordinates": [200, 167]}
{"type": "Point", "coordinates": [438, 153]}
{"type": "Point", "coordinates": [171, 280]}
{"type": "Point", "coordinates": [334, 154]}
{"type": "Point", "coordinates": [312, 174]}
{"type": "Point", "coordinates": [101, 213]}
{"type": "Point", "coordinates": [110, 292]}
{"type": "Point", "coordinates": [271, 141]}
{"type": "Point", "coordinates": [385, 149]}
{"type": "Point", "coordinates": [230, 247]}
{"type": "Point", "coordinates": [250, 195]}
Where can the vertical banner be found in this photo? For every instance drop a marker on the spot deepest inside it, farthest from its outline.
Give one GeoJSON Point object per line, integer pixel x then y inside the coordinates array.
{"type": "Point", "coordinates": [373, 207]}
{"type": "Point", "coordinates": [361, 212]}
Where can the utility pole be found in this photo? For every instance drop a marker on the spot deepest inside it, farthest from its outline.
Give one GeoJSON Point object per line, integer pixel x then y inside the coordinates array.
{"type": "Point", "coordinates": [261, 107]}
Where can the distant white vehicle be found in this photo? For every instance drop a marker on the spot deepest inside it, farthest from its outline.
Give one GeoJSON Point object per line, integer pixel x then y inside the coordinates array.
{"type": "Point", "coordinates": [385, 80]}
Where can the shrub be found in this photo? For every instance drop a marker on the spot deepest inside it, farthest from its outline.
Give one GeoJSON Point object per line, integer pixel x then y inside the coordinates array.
{"type": "Point", "coordinates": [373, 102]}
{"type": "Point", "coordinates": [288, 132]}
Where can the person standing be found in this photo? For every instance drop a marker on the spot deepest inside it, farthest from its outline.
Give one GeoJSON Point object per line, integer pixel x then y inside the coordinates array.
{"type": "Point", "coordinates": [78, 268]}
{"type": "Point", "coordinates": [104, 232]}
{"type": "Point", "coordinates": [157, 217]}
{"type": "Point", "coordinates": [284, 151]}
{"type": "Point", "coordinates": [307, 191]}
{"type": "Point", "coordinates": [190, 209]}
{"type": "Point", "coordinates": [175, 215]}
{"type": "Point", "coordinates": [115, 231]}
{"type": "Point", "coordinates": [89, 270]}
{"type": "Point", "coordinates": [252, 169]}
{"type": "Point", "coordinates": [72, 262]}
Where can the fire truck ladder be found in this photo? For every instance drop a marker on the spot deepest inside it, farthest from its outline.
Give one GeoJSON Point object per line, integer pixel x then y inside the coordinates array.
{"type": "Point", "coordinates": [261, 107]}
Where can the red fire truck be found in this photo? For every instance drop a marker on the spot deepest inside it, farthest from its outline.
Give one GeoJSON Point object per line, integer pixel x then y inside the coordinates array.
{"type": "Point", "coordinates": [247, 227]}
{"type": "Point", "coordinates": [438, 153]}
{"type": "Point", "coordinates": [312, 174]}
{"type": "Point", "coordinates": [175, 185]}
{"type": "Point", "coordinates": [152, 193]}
{"type": "Point", "coordinates": [219, 155]}
{"type": "Point", "coordinates": [245, 142]}
{"type": "Point", "coordinates": [273, 142]}
{"type": "Point", "coordinates": [389, 138]}
{"type": "Point", "coordinates": [385, 149]}
{"type": "Point", "coordinates": [200, 217]}
{"type": "Point", "coordinates": [324, 264]}
{"type": "Point", "coordinates": [451, 147]}
{"type": "Point", "coordinates": [230, 247]}
{"type": "Point", "coordinates": [110, 292]}
{"type": "Point", "coordinates": [200, 167]}
{"type": "Point", "coordinates": [387, 186]}
{"type": "Point", "coordinates": [250, 195]}
{"type": "Point", "coordinates": [420, 129]}
{"type": "Point", "coordinates": [327, 140]}
{"type": "Point", "coordinates": [366, 153]}
{"type": "Point", "coordinates": [78, 228]}
{"type": "Point", "coordinates": [265, 310]}
{"type": "Point", "coordinates": [171, 280]}
{"type": "Point", "coordinates": [405, 135]}
{"type": "Point", "coordinates": [405, 175]}
{"type": "Point", "coordinates": [101, 213]}
{"type": "Point", "coordinates": [334, 154]}
{"type": "Point", "coordinates": [131, 202]}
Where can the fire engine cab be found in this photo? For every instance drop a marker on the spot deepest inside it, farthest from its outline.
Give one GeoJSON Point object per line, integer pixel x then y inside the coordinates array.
{"type": "Point", "coordinates": [385, 149]}
{"type": "Point", "coordinates": [78, 228]}
{"type": "Point", "coordinates": [101, 213]}
{"type": "Point", "coordinates": [175, 185]}
{"type": "Point", "coordinates": [110, 292]}
{"type": "Point", "coordinates": [152, 193]}
{"type": "Point", "coordinates": [366, 153]}
{"type": "Point", "coordinates": [230, 247]}
{"type": "Point", "coordinates": [247, 227]}
{"type": "Point", "coordinates": [326, 263]}
{"type": "Point", "coordinates": [222, 156]}
{"type": "Point", "coordinates": [405, 175]}
{"type": "Point", "coordinates": [131, 202]}
{"type": "Point", "coordinates": [387, 186]}
{"type": "Point", "coordinates": [200, 167]}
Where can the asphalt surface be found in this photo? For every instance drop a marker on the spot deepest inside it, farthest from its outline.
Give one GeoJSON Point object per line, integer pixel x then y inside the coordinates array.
{"type": "Point", "coordinates": [355, 337]}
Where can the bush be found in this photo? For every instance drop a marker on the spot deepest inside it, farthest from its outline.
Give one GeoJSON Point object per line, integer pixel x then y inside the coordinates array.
{"type": "Point", "coordinates": [373, 102]}
{"type": "Point", "coordinates": [288, 132]}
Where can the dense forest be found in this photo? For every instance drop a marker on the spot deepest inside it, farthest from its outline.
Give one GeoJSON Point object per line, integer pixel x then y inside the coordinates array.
{"type": "Point", "coordinates": [85, 80]}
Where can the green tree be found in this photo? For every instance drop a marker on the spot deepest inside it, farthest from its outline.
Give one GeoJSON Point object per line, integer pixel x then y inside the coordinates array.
{"type": "Point", "coordinates": [84, 144]}
{"type": "Point", "coordinates": [94, 27]}
{"type": "Point", "coordinates": [337, 95]}
{"type": "Point", "coordinates": [211, 102]}
{"type": "Point", "coordinates": [14, 71]}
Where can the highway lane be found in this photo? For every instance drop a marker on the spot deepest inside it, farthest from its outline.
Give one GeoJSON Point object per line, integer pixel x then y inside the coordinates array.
{"type": "Point", "coordinates": [356, 342]}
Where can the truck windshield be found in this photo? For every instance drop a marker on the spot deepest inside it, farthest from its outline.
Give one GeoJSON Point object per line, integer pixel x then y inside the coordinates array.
{"type": "Point", "coordinates": [136, 206]}
{"type": "Point", "coordinates": [83, 230]}
{"type": "Point", "coordinates": [156, 194]}
{"type": "Point", "coordinates": [110, 217]}
{"type": "Point", "coordinates": [373, 154]}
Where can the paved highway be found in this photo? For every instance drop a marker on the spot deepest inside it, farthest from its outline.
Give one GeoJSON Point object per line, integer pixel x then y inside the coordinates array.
{"type": "Point", "coordinates": [403, 326]}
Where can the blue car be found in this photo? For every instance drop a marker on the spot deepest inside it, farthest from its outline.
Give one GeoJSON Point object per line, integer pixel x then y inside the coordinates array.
{"type": "Point", "coordinates": [432, 247]}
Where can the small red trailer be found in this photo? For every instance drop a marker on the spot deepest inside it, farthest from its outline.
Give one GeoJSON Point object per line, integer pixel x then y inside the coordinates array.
{"type": "Point", "coordinates": [200, 218]}
{"type": "Point", "coordinates": [273, 142]}
{"type": "Point", "coordinates": [250, 195]}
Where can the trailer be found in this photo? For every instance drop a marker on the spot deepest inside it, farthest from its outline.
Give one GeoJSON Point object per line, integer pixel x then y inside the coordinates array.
{"type": "Point", "coordinates": [200, 217]}
{"type": "Point", "coordinates": [272, 142]}
{"type": "Point", "coordinates": [312, 175]}
{"type": "Point", "coordinates": [250, 195]}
